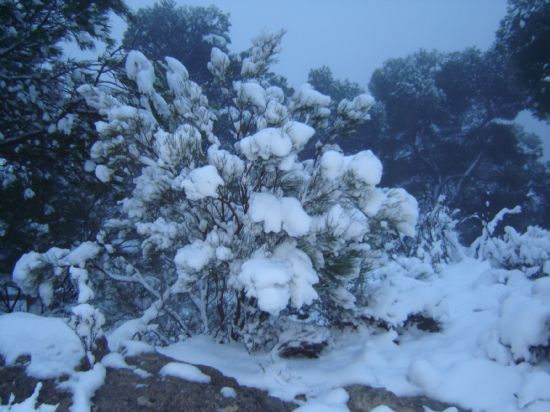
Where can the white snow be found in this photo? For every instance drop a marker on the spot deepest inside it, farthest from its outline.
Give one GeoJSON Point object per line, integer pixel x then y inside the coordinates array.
{"type": "Point", "coordinates": [83, 386]}
{"type": "Point", "coordinates": [287, 275]}
{"type": "Point", "coordinates": [184, 371]}
{"type": "Point", "coordinates": [219, 62]}
{"type": "Point", "coordinates": [195, 256]}
{"type": "Point", "coordinates": [266, 143]}
{"type": "Point", "coordinates": [81, 254]}
{"type": "Point", "coordinates": [524, 322]}
{"type": "Point", "coordinates": [299, 133]}
{"type": "Point", "coordinates": [228, 392]}
{"type": "Point", "coordinates": [332, 401]}
{"type": "Point", "coordinates": [307, 96]}
{"type": "Point", "coordinates": [251, 93]}
{"type": "Point", "coordinates": [455, 365]}
{"type": "Point", "coordinates": [202, 182]}
{"type": "Point", "coordinates": [176, 75]}
{"type": "Point", "coordinates": [363, 166]}
{"type": "Point", "coordinates": [54, 348]}
{"type": "Point", "coordinates": [29, 404]}
{"type": "Point", "coordinates": [139, 69]}
{"type": "Point", "coordinates": [228, 165]}
{"type": "Point", "coordinates": [279, 213]}
{"type": "Point", "coordinates": [383, 408]}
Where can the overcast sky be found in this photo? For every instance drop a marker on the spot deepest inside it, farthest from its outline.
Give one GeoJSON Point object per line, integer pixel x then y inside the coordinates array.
{"type": "Point", "coordinates": [354, 37]}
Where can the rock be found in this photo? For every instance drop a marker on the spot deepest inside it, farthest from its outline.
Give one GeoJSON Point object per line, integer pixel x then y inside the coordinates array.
{"type": "Point", "coordinates": [301, 349]}
{"type": "Point", "coordinates": [302, 341]}
{"type": "Point", "coordinates": [365, 398]}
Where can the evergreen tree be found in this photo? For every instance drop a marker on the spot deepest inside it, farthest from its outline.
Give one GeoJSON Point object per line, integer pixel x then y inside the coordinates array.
{"type": "Point", "coordinates": [241, 240]}
{"type": "Point", "coordinates": [44, 125]}
{"type": "Point", "coordinates": [185, 33]}
{"type": "Point", "coordinates": [523, 40]}
{"type": "Point", "coordinates": [449, 118]}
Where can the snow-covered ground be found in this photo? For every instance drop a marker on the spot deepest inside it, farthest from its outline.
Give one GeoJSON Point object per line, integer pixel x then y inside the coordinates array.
{"type": "Point", "coordinates": [479, 360]}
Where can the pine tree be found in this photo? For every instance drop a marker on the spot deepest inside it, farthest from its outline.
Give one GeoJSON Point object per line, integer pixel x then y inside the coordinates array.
{"type": "Point", "coordinates": [235, 240]}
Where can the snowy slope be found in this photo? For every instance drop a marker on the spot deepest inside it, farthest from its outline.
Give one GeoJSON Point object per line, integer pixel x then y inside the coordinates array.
{"type": "Point", "coordinates": [479, 360]}
{"type": "Point", "coordinates": [465, 364]}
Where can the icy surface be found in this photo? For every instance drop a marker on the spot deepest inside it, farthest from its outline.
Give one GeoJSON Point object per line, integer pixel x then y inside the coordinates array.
{"type": "Point", "coordinates": [54, 348]}
{"type": "Point", "coordinates": [466, 363]}
{"type": "Point", "coordinates": [184, 371]}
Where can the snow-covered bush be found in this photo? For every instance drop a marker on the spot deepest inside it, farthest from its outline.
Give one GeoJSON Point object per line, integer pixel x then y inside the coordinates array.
{"type": "Point", "coordinates": [436, 240]}
{"type": "Point", "coordinates": [222, 229]}
{"type": "Point", "coordinates": [528, 251]}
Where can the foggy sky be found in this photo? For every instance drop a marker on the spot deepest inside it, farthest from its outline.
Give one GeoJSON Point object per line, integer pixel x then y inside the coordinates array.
{"type": "Point", "coordinates": [354, 37]}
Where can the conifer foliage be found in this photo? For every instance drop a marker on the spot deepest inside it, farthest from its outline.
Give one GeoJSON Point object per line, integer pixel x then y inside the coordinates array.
{"type": "Point", "coordinates": [228, 232]}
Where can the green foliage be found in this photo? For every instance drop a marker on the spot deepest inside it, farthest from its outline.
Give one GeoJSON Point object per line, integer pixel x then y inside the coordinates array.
{"type": "Point", "coordinates": [322, 80]}
{"type": "Point", "coordinates": [443, 128]}
{"type": "Point", "coordinates": [186, 33]}
{"type": "Point", "coordinates": [523, 39]}
{"type": "Point", "coordinates": [44, 125]}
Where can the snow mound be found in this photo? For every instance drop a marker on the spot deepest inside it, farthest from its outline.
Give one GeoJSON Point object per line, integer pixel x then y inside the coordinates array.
{"type": "Point", "coordinates": [184, 371]}
{"type": "Point", "coordinates": [54, 348]}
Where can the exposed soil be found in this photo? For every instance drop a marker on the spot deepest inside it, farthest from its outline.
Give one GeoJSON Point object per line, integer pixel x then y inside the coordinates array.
{"type": "Point", "coordinates": [125, 390]}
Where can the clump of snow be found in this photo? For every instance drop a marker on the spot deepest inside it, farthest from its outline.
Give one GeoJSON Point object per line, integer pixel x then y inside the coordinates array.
{"type": "Point", "coordinates": [279, 213]}
{"type": "Point", "coordinates": [195, 256]}
{"type": "Point", "coordinates": [401, 208]}
{"type": "Point", "coordinates": [334, 400]}
{"type": "Point", "coordinates": [115, 360]}
{"type": "Point", "coordinates": [265, 144]}
{"type": "Point", "coordinates": [184, 371]}
{"type": "Point", "coordinates": [29, 404]}
{"type": "Point", "coordinates": [228, 165]}
{"type": "Point", "coordinates": [54, 348]}
{"type": "Point", "coordinates": [356, 109]}
{"type": "Point", "coordinates": [121, 337]}
{"type": "Point", "coordinates": [287, 275]}
{"type": "Point", "coordinates": [81, 254]}
{"type": "Point", "coordinates": [83, 386]}
{"type": "Point", "coordinates": [87, 322]}
{"type": "Point", "coordinates": [139, 69]}
{"type": "Point", "coordinates": [228, 392]}
{"type": "Point", "coordinates": [202, 182]}
{"type": "Point", "coordinates": [80, 276]}
{"type": "Point", "coordinates": [307, 96]}
{"type": "Point", "coordinates": [251, 93]}
{"type": "Point", "coordinates": [176, 75]}
{"type": "Point", "coordinates": [363, 166]}
{"type": "Point", "coordinates": [299, 133]}
{"type": "Point", "coordinates": [219, 62]}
